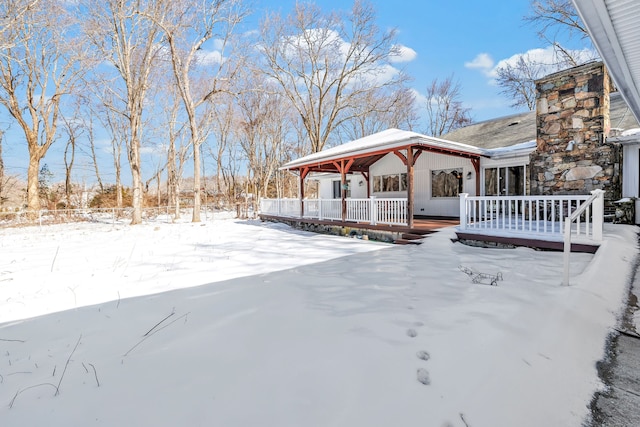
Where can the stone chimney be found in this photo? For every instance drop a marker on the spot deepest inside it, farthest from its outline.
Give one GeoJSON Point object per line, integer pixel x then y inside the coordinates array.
{"type": "Point", "coordinates": [572, 118]}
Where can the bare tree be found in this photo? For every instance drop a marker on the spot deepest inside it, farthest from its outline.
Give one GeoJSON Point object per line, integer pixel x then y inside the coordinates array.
{"type": "Point", "coordinates": [116, 124]}
{"type": "Point", "coordinates": [445, 111]}
{"type": "Point", "coordinates": [261, 130]}
{"type": "Point", "coordinates": [326, 63]}
{"type": "Point", "coordinates": [379, 110]}
{"type": "Point", "coordinates": [517, 82]}
{"type": "Point", "coordinates": [223, 147]}
{"type": "Point", "coordinates": [556, 20]}
{"type": "Point", "coordinates": [11, 16]}
{"type": "Point", "coordinates": [91, 136]}
{"type": "Point", "coordinates": [123, 36]}
{"type": "Point", "coordinates": [39, 67]}
{"type": "Point", "coordinates": [2, 198]}
{"type": "Point", "coordinates": [177, 149]}
{"type": "Point", "coordinates": [73, 131]}
{"type": "Point", "coordinates": [187, 25]}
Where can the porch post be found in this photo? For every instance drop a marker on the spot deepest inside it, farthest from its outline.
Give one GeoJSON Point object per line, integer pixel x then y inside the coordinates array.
{"type": "Point", "coordinates": [463, 211]}
{"type": "Point", "coordinates": [410, 191]}
{"type": "Point", "coordinates": [301, 196]}
{"type": "Point", "coordinates": [303, 174]}
{"type": "Point", "coordinates": [598, 215]}
{"type": "Point", "coordinates": [343, 192]}
{"type": "Point", "coordinates": [476, 167]}
{"type": "Point", "coordinates": [373, 208]}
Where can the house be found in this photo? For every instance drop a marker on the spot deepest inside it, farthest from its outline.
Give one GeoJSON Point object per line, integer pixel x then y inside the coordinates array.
{"type": "Point", "coordinates": [512, 172]}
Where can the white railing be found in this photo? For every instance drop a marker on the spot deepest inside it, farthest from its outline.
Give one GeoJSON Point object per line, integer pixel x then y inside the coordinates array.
{"type": "Point", "coordinates": [528, 215]}
{"type": "Point", "coordinates": [391, 211]}
{"type": "Point", "coordinates": [372, 210]}
{"type": "Point", "coordinates": [597, 201]}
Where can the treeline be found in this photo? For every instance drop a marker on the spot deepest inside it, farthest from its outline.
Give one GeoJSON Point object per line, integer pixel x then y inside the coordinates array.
{"type": "Point", "coordinates": [194, 78]}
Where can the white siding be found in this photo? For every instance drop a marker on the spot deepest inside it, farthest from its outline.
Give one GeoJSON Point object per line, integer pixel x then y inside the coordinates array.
{"type": "Point", "coordinates": [389, 164]}
{"type": "Point", "coordinates": [631, 163]}
{"type": "Point", "coordinates": [357, 191]}
{"type": "Point", "coordinates": [439, 206]}
{"type": "Point", "coordinates": [325, 189]}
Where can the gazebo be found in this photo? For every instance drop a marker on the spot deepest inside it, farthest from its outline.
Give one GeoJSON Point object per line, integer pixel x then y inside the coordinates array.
{"type": "Point", "coordinates": [359, 156]}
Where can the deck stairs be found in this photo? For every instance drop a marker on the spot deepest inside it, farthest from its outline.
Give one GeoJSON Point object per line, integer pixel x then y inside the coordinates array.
{"type": "Point", "coordinates": [414, 238]}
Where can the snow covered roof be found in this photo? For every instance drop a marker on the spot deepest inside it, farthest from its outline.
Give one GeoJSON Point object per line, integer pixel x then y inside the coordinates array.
{"type": "Point", "coordinates": [522, 149]}
{"type": "Point", "coordinates": [388, 141]}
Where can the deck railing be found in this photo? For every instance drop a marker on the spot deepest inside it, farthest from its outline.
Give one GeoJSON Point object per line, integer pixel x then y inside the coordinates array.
{"type": "Point", "coordinates": [530, 215]}
{"type": "Point", "coordinates": [372, 210]}
{"type": "Point", "coordinates": [597, 201]}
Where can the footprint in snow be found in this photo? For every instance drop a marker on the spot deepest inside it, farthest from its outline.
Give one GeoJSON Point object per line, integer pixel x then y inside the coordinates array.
{"type": "Point", "coordinates": [423, 376]}
{"type": "Point", "coordinates": [412, 333]}
{"type": "Point", "coordinates": [423, 355]}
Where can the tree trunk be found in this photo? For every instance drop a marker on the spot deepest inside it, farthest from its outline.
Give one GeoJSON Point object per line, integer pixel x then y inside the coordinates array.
{"type": "Point", "coordinates": [196, 181]}
{"type": "Point", "coordinates": [33, 195]}
{"type": "Point", "coordinates": [136, 181]}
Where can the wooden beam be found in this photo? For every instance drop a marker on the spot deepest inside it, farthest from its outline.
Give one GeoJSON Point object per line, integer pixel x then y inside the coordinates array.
{"type": "Point", "coordinates": [410, 190]}
{"type": "Point", "coordinates": [476, 167]}
{"type": "Point", "coordinates": [304, 172]}
{"type": "Point", "coordinates": [343, 192]}
{"type": "Point", "coordinates": [347, 167]}
{"type": "Point", "coordinates": [301, 195]}
{"type": "Point", "coordinates": [401, 156]}
{"type": "Point", "coordinates": [415, 157]}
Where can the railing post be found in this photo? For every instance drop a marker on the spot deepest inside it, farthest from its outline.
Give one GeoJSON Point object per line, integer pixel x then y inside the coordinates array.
{"type": "Point", "coordinates": [463, 211]}
{"type": "Point", "coordinates": [374, 210]}
{"type": "Point", "coordinates": [598, 215]}
{"type": "Point", "coordinates": [320, 208]}
{"type": "Point", "coordinates": [567, 250]}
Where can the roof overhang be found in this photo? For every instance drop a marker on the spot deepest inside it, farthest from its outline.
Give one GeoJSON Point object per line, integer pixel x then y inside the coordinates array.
{"type": "Point", "coordinates": [614, 26]}
{"type": "Point", "coordinates": [364, 152]}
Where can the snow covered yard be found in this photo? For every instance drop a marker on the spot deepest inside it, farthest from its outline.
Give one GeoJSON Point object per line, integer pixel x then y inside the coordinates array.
{"type": "Point", "coordinates": [295, 329]}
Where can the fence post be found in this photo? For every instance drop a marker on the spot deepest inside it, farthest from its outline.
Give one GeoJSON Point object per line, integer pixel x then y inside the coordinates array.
{"type": "Point", "coordinates": [319, 208]}
{"type": "Point", "coordinates": [567, 250]}
{"type": "Point", "coordinates": [597, 221]}
{"type": "Point", "coordinates": [374, 210]}
{"type": "Point", "coordinates": [463, 211]}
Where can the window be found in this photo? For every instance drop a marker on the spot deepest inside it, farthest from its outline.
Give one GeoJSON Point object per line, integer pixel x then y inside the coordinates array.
{"type": "Point", "coordinates": [337, 193]}
{"type": "Point", "coordinates": [446, 182]}
{"type": "Point", "coordinates": [505, 181]}
{"type": "Point", "coordinates": [388, 183]}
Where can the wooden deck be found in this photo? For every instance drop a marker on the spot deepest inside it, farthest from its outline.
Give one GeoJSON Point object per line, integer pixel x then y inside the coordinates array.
{"type": "Point", "coordinates": [421, 225]}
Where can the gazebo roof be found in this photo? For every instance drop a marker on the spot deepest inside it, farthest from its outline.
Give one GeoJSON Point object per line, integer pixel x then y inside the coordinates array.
{"type": "Point", "coordinates": [368, 150]}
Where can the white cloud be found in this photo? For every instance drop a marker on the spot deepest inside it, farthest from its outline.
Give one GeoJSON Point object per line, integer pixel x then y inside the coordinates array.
{"type": "Point", "coordinates": [420, 99]}
{"type": "Point", "coordinates": [482, 62]}
{"type": "Point", "coordinates": [546, 60]}
{"type": "Point", "coordinates": [405, 54]}
{"type": "Point", "coordinates": [218, 44]}
{"type": "Point", "coordinates": [328, 42]}
{"type": "Point", "coordinates": [210, 57]}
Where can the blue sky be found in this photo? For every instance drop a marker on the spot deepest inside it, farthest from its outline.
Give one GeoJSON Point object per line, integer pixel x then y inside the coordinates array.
{"type": "Point", "coordinates": [463, 38]}
{"type": "Point", "coordinates": [446, 35]}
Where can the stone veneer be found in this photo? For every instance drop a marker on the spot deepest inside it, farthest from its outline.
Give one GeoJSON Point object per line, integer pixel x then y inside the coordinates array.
{"type": "Point", "coordinates": [573, 105]}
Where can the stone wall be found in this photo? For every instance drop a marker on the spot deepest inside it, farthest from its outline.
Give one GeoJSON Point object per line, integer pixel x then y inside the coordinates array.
{"type": "Point", "coordinates": [573, 155]}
